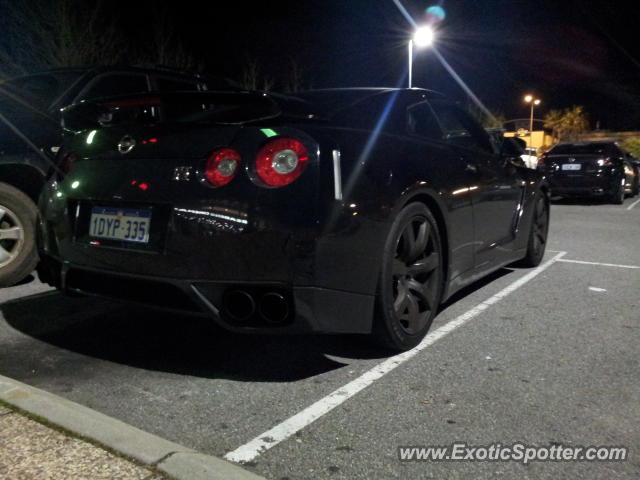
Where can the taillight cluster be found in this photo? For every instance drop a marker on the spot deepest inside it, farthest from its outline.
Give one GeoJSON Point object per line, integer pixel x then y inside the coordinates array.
{"type": "Point", "coordinates": [222, 166]}
{"type": "Point", "coordinates": [279, 162]}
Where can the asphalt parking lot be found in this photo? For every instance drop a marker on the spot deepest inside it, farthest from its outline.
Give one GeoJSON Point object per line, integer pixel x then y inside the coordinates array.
{"type": "Point", "coordinates": [544, 356]}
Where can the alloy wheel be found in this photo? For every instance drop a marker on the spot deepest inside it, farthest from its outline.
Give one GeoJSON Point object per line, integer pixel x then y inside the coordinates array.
{"type": "Point", "coordinates": [540, 226]}
{"type": "Point", "coordinates": [11, 236]}
{"type": "Point", "coordinates": [415, 275]}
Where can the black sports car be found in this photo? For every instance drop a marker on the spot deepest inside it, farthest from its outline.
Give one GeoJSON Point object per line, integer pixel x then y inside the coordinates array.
{"type": "Point", "coordinates": [585, 169]}
{"type": "Point", "coordinates": [341, 211]}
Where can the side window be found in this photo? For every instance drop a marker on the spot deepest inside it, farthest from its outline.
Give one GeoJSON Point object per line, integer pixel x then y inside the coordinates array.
{"type": "Point", "coordinates": [422, 121]}
{"type": "Point", "coordinates": [459, 129]}
{"type": "Point", "coordinates": [375, 111]}
{"type": "Point", "coordinates": [115, 84]}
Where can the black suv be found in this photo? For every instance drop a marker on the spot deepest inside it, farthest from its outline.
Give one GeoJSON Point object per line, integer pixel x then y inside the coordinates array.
{"type": "Point", "coordinates": [30, 133]}
{"type": "Point", "coordinates": [587, 169]}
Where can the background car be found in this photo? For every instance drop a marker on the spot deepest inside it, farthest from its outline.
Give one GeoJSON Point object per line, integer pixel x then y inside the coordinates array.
{"type": "Point", "coordinates": [634, 163]}
{"type": "Point", "coordinates": [587, 169]}
{"type": "Point", "coordinates": [530, 157]}
{"type": "Point", "coordinates": [336, 211]}
{"type": "Point", "coordinates": [30, 134]}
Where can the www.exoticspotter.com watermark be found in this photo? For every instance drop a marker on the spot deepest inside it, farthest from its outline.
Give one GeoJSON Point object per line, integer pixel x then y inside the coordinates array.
{"type": "Point", "coordinates": [516, 452]}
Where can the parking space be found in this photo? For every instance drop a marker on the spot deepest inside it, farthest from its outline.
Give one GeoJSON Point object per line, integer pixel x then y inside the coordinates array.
{"type": "Point", "coordinates": [535, 356]}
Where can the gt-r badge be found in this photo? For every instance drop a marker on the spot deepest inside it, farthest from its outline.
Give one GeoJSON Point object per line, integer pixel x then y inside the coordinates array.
{"type": "Point", "coordinates": [182, 174]}
{"type": "Point", "coordinates": [126, 144]}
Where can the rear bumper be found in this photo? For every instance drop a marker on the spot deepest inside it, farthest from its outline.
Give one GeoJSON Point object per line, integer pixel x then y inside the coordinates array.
{"type": "Point", "coordinates": [306, 309]}
{"type": "Point", "coordinates": [584, 185]}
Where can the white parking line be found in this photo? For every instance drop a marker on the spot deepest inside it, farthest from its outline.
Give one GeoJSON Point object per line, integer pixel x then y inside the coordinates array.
{"type": "Point", "coordinates": [289, 427]}
{"type": "Point", "coordinates": [598, 264]}
{"type": "Point", "coordinates": [633, 204]}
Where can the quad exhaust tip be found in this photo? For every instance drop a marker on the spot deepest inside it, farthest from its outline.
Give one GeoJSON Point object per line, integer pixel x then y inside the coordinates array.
{"type": "Point", "coordinates": [240, 306]}
{"type": "Point", "coordinates": [273, 308]}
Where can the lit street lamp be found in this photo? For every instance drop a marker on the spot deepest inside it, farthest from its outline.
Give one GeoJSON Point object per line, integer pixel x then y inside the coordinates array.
{"type": "Point", "coordinates": [422, 37]}
{"type": "Point", "coordinates": [534, 102]}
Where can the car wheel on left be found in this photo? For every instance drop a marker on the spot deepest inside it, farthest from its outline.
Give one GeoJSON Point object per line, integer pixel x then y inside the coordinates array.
{"type": "Point", "coordinates": [410, 281]}
{"type": "Point", "coordinates": [18, 256]}
{"type": "Point", "coordinates": [617, 197]}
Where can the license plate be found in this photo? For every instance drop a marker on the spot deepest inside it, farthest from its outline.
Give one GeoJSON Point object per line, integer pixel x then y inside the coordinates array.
{"type": "Point", "coordinates": [128, 224]}
{"type": "Point", "coordinates": [571, 166]}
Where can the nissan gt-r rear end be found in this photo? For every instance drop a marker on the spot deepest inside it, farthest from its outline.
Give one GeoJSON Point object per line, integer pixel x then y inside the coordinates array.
{"type": "Point", "coordinates": [212, 216]}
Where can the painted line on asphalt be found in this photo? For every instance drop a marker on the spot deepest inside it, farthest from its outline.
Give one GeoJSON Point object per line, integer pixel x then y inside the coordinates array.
{"type": "Point", "coordinates": [289, 427]}
{"type": "Point", "coordinates": [633, 204]}
{"type": "Point", "coordinates": [581, 262]}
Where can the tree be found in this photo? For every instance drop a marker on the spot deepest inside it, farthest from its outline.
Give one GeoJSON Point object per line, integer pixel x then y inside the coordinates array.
{"type": "Point", "coordinates": [632, 145]}
{"type": "Point", "coordinates": [252, 79]}
{"type": "Point", "coordinates": [166, 48]}
{"type": "Point", "coordinates": [43, 34]}
{"type": "Point", "coordinates": [567, 124]}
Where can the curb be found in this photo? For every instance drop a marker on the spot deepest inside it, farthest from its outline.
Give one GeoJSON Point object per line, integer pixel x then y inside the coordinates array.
{"type": "Point", "coordinates": [175, 460]}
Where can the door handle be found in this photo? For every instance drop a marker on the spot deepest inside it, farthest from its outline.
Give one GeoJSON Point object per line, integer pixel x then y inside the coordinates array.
{"type": "Point", "coordinates": [471, 167]}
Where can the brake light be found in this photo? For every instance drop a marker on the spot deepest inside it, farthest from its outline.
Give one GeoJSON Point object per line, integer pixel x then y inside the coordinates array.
{"type": "Point", "coordinates": [67, 161]}
{"type": "Point", "coordinates": [222, 166]}
{"type": "Point", "coordinates": [280, 161]}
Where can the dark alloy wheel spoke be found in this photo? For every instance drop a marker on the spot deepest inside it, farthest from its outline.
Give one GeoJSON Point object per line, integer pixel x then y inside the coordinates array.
{"type": "Point", "coordinates": [414, 240]}
{"type": "Point", "coordinates": [425, 265]}
{"type": "Point", "coordinates": [414, 319]}
{"type": "Point", "coordinates": [402, 300]}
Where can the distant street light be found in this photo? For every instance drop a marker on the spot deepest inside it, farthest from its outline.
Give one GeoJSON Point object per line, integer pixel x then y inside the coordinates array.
{"type": "Point", "coordinates": [422, 37]}
{"type": "Point", "coordinates": [534, 102]}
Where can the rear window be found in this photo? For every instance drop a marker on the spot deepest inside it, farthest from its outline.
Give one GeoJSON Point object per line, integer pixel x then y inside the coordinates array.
{"type": "Point", "coordinates": [584, 149]}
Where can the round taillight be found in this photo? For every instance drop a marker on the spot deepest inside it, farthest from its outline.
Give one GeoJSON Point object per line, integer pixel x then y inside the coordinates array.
{"type": "Point", "coordinates": [280, 161]}
{"type": "Point", "coordinates": [222, 166]}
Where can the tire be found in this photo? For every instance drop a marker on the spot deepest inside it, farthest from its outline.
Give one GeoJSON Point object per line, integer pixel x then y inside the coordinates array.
{"type": "Point", "coordinates": [538, 233]}
{"type": "Point", "coordinates": [636, 187]}
{"type": "Point", "coordinates": [411, 280]}
{"type": "Point", "coordinates": [18, 255]}
{"type": "Point", "coordinates": [617, 197]}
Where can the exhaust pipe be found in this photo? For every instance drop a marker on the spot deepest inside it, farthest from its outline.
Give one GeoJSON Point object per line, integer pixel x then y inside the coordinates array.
{"type": "Point", "coordinates": [239, 305]}
{"type": "Point", "coordinates": [273, 308]}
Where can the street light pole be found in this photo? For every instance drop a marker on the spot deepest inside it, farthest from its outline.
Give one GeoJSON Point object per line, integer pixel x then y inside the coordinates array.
{"type": "Point", "coordinates": [534, 102]}
{"type": "Point", "coordinates": [422, 37]}
{"type": "Point", "coordinates": [410, 60]}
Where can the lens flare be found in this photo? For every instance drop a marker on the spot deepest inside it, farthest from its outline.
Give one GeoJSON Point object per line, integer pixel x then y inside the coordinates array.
{"type": "Point", "coordinates": [436, 14]}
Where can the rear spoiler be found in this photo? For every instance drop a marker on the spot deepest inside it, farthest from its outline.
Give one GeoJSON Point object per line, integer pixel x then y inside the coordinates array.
{"type": "Point", "coordinates": [214, 107]}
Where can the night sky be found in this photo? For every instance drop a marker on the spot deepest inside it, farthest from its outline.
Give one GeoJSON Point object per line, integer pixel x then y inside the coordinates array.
{"type": "Point", "coordinates": [565, 52]}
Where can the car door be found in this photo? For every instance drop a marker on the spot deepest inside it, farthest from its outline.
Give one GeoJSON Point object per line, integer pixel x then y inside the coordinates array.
{"type": "Point", "coordinates": [438, 164]}
{"type": "Point", "coordinates": [497, 189]}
